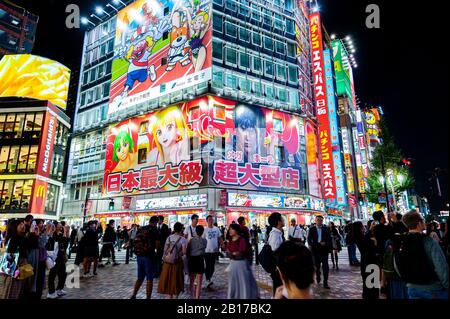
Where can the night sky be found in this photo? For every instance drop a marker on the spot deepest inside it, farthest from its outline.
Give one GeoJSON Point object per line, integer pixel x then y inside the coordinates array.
{"type": "Point", "coordinates": [403, 67]}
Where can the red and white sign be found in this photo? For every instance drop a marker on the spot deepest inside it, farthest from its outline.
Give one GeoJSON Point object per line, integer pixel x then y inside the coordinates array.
{"type": "Point", "coordinates": [322, 106]}
{"type": "Point", "coordinates": [46, 145]}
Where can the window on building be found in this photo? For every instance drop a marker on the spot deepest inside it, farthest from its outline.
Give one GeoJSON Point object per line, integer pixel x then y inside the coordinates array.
{"type": "Point", "coordinates": [257, 88]}
{"type": "Point", "coordinates": [31, 168]}
{"type": "Point", "coordinates": [256, 14]}
{"type": "Point", "coordinates": [277, 125]}
{"type": "Point", "coordinates": [23, 159]}
{"type": "Point", "coordinates": [293, 74]}
{"type": "Point", "coordinates": [244, 7]}
{"type": "Point", "coordinates": [280, 47]}
{"type": "Point", "coordinates": [244, 60]}
{"type": "Point", "coordinates": [106, 87]}
{"type": "Point", "coordinates": [52, 198]}
{"type": "Point", "coordinates": [245, 85]}
{"type": "Point", "coordinates": [231, 56]}
{"type": "Point", "coordinates": [282, 94]}
{"type": "Point", "coordinates": [257, 68]}
{"type": "Point", "coordinates": [268, 68]}
{"type": "Point", "coordinates": [217, 50]}
{"type": "Point", "coordinates": [256, 38]}
{"type": "Point", "coordinates": [268, 43]}
{"type": "Point", "coordinates": [281, 72]}
{"type": "Point", "coordinates": [279, 154]}
{"type": "Point", "coordinates": [230, 5]}
{"type": "Point", "coordinates": [4, 154]}
{"type": "Point", "coordinates": [267, 16]}
{"type": "Point", "coordinates": [244, 34]}
{"type": "Point", "coordinates": [217, 23]}
{"type": "Point", "coordinates": [230, 29]}
{"type": "Point", "coordinates": [290, 26]}
{"type": "Point", "coordinates": [269, 91]}
{"type": "Point", "coordinates": [217, 78]}
{"type": "Point", "coordinates": [291, 50]}
{"type": "Point", "coordinates": [219, 113]}
{"type": "Point", "coordinates": [231, 81]}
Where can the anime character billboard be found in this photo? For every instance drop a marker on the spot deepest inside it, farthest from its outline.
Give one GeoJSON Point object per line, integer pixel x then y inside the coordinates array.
{"type": "Point", "coordinates": [261, 149]}
{"type": "Point", "coordinates": [160, 47]}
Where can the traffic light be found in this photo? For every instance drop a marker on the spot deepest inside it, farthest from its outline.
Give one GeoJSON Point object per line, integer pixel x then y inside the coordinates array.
{"type": "Point", "coordinates": [111, 204]}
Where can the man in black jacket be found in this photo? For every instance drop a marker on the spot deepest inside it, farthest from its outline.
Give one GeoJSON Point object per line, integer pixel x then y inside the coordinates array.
{"type": "Point", "coordinates": [319, 241]}
{"type": "Point", "coordinates": [109, 240]}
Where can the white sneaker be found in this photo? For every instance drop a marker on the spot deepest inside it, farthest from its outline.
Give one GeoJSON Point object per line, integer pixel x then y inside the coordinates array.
{"type": "Point", "coordinates": [86, 275]}
{"type": "Point", "coordinates": [61, 293]}
{"type": "Point", "coordinates": [52, 296]}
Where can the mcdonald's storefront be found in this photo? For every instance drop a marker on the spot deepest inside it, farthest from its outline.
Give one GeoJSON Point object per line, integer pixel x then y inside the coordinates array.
{"type": "Point", "coordinates": [33, 145]}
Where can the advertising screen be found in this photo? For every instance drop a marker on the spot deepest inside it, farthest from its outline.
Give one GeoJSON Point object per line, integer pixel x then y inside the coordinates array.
{"type": "Point", "coordinates": [255, 200]}
{"type": "Point", "coordinates": [208, 140]}
{"type": "Point", "coordinates": [329, 186]}
{"type": "Point", "coordinates": [172, 202]}
{"type": "Point", "coordinates": [31, 76]}
{"type": "Point", "coordinates": [160, 47]}
{"type": "Point", "coordinates": [341, 198]}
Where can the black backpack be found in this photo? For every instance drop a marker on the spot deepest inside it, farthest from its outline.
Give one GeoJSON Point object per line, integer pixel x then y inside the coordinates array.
{"type": "Point", "coordinates": [412, 262]}
{"type": "Point", "coordinates": [142, 243]}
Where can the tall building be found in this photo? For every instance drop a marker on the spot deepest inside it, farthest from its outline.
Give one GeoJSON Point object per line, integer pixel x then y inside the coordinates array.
{"type": "Point", "coordinates": [17, 29]}
{"type": "Point", "coordinates": [195, 107]}
{"type": "Point", "coordinates": [33, 135]}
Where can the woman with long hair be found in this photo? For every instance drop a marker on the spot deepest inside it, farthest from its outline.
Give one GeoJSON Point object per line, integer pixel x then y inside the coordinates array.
{"type": "Point", "coordinates": [15, 242]}
{"type": "Point", "coordinates": [241, 283]}
{"type": "Point", "coordinates": [336, 243]}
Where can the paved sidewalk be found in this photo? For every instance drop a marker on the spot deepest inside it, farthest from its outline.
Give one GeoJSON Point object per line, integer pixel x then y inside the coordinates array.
{"type": "Point", "coordinates": [117, 283]}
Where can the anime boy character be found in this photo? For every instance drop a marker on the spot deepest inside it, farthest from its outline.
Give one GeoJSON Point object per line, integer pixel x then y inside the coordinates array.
{"type": "Point", "coordinates": [123, 152]}
{"type": "Point", "coordinates": [170, 137]}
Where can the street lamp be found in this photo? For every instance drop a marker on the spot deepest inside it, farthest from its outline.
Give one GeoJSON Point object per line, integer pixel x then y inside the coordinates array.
{"type": "Point", "coordinates": [99, 11]}
{"type": "Point", "coordinates": [85, 21]}
{"type": "Point", "coordinates": [111, 6]}
{"type": "Point", "coordinates": [93, 15]}
{"type": "Point", "coordinates": [118, 1]}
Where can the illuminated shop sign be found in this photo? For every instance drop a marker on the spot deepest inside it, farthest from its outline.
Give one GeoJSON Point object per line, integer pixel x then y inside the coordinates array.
{"type": "Point", "coordinates": [322, 107]}
{"type": "Point", "coordinates": [272, 201]}
{"type": "Point", "coordinates": [185, 201]}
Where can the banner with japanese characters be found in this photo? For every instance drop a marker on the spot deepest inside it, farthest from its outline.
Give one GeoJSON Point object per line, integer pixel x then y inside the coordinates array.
{"type": "Point", "coordinates": [261, 149]}
{"type": "Point", "coordinates": [206, 141]}
{"type": "Point", "coordinates": [329, 187]}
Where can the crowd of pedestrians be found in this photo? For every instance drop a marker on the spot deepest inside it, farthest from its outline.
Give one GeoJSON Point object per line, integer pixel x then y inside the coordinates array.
{"type": "Point", "coordinates": [409, 257]}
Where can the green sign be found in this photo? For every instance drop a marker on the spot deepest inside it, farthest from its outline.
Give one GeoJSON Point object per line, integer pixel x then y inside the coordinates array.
{"type": "Point", "coordinates": [341, 69]}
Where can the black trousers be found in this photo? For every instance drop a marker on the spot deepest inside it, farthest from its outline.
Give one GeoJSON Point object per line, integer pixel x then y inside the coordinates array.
{"type": "Point", "coordinates": [58, 271]}
{"type": "Point", "coordinates": [108, 248]}
{"type": "Point", "coordinates": [210, 261]}
{"type": "Point", "coordinates": [321, 260]}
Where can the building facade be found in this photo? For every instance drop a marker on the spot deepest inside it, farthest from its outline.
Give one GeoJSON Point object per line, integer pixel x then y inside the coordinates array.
{"type": "Point", "coordinates": [200, 108]}
{"type": "Point", "coordinates": [32, 154]}
{"type": "Point", "coordinates": [17, 29]}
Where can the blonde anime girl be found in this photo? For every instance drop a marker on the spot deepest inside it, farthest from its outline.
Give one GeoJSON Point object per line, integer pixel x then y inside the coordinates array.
{"type": "Point", "coordinates": [170, 137]}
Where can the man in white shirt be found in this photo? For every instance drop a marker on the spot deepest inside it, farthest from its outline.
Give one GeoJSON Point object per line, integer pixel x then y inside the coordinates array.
{"type": "Point", "coordinates": [295, 232]}
{"type": "Point", "coordinates": [276, 238]}
{"type": "Point", "coordinates": [189, 232]}
{"type": "Point", "coordinates": [214, 240]}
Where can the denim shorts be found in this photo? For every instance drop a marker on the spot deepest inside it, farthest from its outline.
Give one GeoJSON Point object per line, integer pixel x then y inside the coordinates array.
{"type": "Point", "coordinates": [146, 268]}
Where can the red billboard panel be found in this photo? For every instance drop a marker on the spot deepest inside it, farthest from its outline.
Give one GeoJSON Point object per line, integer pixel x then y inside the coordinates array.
{"type": "Point", "coordinates": [322, 106]}
{"type": "Point", "coordinates": [46, 145]}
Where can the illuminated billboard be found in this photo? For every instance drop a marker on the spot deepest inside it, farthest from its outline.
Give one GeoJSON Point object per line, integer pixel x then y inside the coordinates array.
{"type": "Point", "coordinates": [185, 201]}
{"type": "Point", "coordinates": [312, 149]}
{"type": "Point", "coordinates": [255, 200]}
{"type": "Point", "coordinates": [31, 76]}
{"type": "Point", "coordinates": [160, 47]}
{"type": "Point", "coordinates": [341, 69]}
{"type": "Point", "coordinates": [329, 186]}
{"type": "Point", "coordinates": [341, 198]}
{"type": "Point", "coordinates": [208, 140]}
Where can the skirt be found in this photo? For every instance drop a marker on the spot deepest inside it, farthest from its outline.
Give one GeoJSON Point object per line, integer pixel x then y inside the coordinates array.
{"type": "Point", "coordinates": [196, 264]}
{"type": "Point", "coordinates": [91, 252]}
{"type": "Point", "coordinates": [171, 280]}
{"type": "Point", "coordinates": [241, 283]}
{"type": "Point", "coordinates": [11, 288]}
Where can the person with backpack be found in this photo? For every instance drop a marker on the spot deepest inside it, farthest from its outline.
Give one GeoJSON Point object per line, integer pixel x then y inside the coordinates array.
{"type": "Point", "coordinates": [145, 245]}
{"type": "Point", "coordinates": [195, 253]}
{"type": "Point", "coordinates": [241, 283]}
{"type": "Point", "coordinates": [171, 281]}
{"type": "Point", "coordinates": [396, 287]}
{"type": "Point", "coordinates": [421, 261]}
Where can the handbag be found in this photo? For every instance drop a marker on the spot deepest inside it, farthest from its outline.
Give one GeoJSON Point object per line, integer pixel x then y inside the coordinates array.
{"type": "Point", "coordinates": [9, 264]}
{"type": "Point", "coordinates": [25, 271]}
{"type": "Point", "coordinates": [266, 258]}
